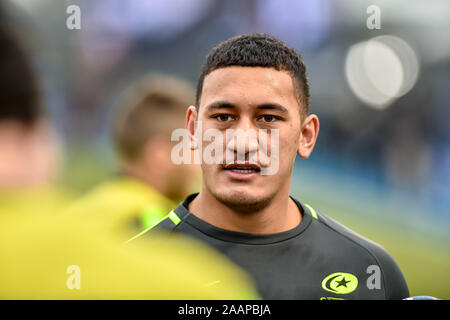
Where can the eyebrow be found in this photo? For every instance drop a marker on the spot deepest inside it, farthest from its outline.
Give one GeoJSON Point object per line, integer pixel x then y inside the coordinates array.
{"type": "Point", "coordinates": [220, 105]}
{"type": "Point", "coordinates": [273, 106]}
{"type": "Point", "coordinates": [217, 105]}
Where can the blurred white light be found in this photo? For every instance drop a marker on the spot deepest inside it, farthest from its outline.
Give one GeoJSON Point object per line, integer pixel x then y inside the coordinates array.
{"type": "Point", "coordinates": [357, 78]}
{"type": "Point", "coordinates": [408, 59]}
{"type": "Point", "coordinates": [381, 70]}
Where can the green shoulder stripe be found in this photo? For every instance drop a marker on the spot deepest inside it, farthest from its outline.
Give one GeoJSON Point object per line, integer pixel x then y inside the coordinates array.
{"type": "Point", "coordinates": [313, 212]}
{"type": "Point", "coordinates": [171, 215]}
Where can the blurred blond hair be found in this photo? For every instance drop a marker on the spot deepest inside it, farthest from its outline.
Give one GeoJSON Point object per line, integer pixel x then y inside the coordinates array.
{"type": "Point", "coordinates": [155, 105]}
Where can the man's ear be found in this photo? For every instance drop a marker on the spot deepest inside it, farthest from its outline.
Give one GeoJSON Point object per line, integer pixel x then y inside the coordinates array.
{"type": "Point", "coordinates": [308, 136]}
{"type": "Point", "coordinates": [191, 118]}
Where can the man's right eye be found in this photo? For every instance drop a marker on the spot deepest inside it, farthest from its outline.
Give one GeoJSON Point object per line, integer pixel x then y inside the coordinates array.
{"type": "Point", "coordinates": [224, 117]}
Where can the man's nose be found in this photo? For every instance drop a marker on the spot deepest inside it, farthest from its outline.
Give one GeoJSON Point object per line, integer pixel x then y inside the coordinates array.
{"type": "Point", "coordinates": [243, 140]}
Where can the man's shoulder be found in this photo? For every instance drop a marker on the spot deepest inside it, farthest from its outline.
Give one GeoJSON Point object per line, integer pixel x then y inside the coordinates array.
{"type": "Point", "coordinates": [339, 230]}
{"type": "Point", "coordinates": [330, 231]}
{"type": "Point", "coordinates": [355, 245]}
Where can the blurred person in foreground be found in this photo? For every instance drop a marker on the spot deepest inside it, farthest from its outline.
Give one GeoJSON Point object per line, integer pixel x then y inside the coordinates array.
{"type": "Point", "coordinates": [52, 259]}
{"type": "Point", "coordinates": [29, 149]}
{"type": "Point", "coordinates": [255, 82]}
{"type": "Point", "coordinates": [148, 183]}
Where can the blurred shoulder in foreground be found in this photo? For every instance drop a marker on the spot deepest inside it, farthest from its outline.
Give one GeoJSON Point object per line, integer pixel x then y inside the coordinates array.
{"type": "Point", "coordinates": [42, 259]}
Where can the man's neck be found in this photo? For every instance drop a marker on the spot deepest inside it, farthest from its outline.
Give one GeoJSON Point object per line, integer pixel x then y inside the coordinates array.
{"type": "Point", "coordinates": [281, 214]}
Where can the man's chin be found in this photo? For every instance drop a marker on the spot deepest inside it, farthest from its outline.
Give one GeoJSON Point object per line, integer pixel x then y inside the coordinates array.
{"type": "Point", "coordinates": [242, 201]}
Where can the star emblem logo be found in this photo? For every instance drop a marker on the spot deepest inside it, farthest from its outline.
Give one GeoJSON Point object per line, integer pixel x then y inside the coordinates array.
{"type": "Point", "coordinates": [343, 282]}
{"type": "Point", "coordinates": [340, 283]}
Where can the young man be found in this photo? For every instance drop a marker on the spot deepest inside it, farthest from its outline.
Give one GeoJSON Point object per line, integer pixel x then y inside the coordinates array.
{"type": "Point", "coordinates": [254, 82]}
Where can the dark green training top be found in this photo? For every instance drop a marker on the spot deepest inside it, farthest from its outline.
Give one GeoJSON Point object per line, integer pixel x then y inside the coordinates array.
{"type": "Point", "coordinates": [318, 259]}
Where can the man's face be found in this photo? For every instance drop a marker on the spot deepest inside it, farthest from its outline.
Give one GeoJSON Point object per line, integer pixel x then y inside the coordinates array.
{"type": "Point", "coordinates": [250, 98]}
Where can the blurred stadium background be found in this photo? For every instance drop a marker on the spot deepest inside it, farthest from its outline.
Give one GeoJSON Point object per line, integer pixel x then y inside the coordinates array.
{"type": "Point", "coordinates": [382, 162]}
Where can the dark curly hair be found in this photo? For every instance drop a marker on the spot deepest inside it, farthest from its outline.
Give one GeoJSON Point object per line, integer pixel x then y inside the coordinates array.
{"type": "Point", "coordinates": [258, 50]}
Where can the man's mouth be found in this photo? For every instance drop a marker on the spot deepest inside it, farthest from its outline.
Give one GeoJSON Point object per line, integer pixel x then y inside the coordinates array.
{"type": "Point", "coordinates": [243, 168]}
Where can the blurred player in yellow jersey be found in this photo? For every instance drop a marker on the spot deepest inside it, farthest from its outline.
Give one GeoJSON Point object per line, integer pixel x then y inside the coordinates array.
{"type": "Point", "coordinates": [43, 258]}
{"type": "Point", "coordinates": [149, 184]}
{"type": "Point", "coordinates": [29, 149]}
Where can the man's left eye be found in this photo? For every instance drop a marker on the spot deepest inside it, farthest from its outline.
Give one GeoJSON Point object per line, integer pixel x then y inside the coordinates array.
{"type": "Point", "coordinates": [268, 118]}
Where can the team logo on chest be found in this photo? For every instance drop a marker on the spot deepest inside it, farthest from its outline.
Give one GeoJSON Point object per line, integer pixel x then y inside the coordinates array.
{"type": "Point", "coordinates": [340, 283]}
